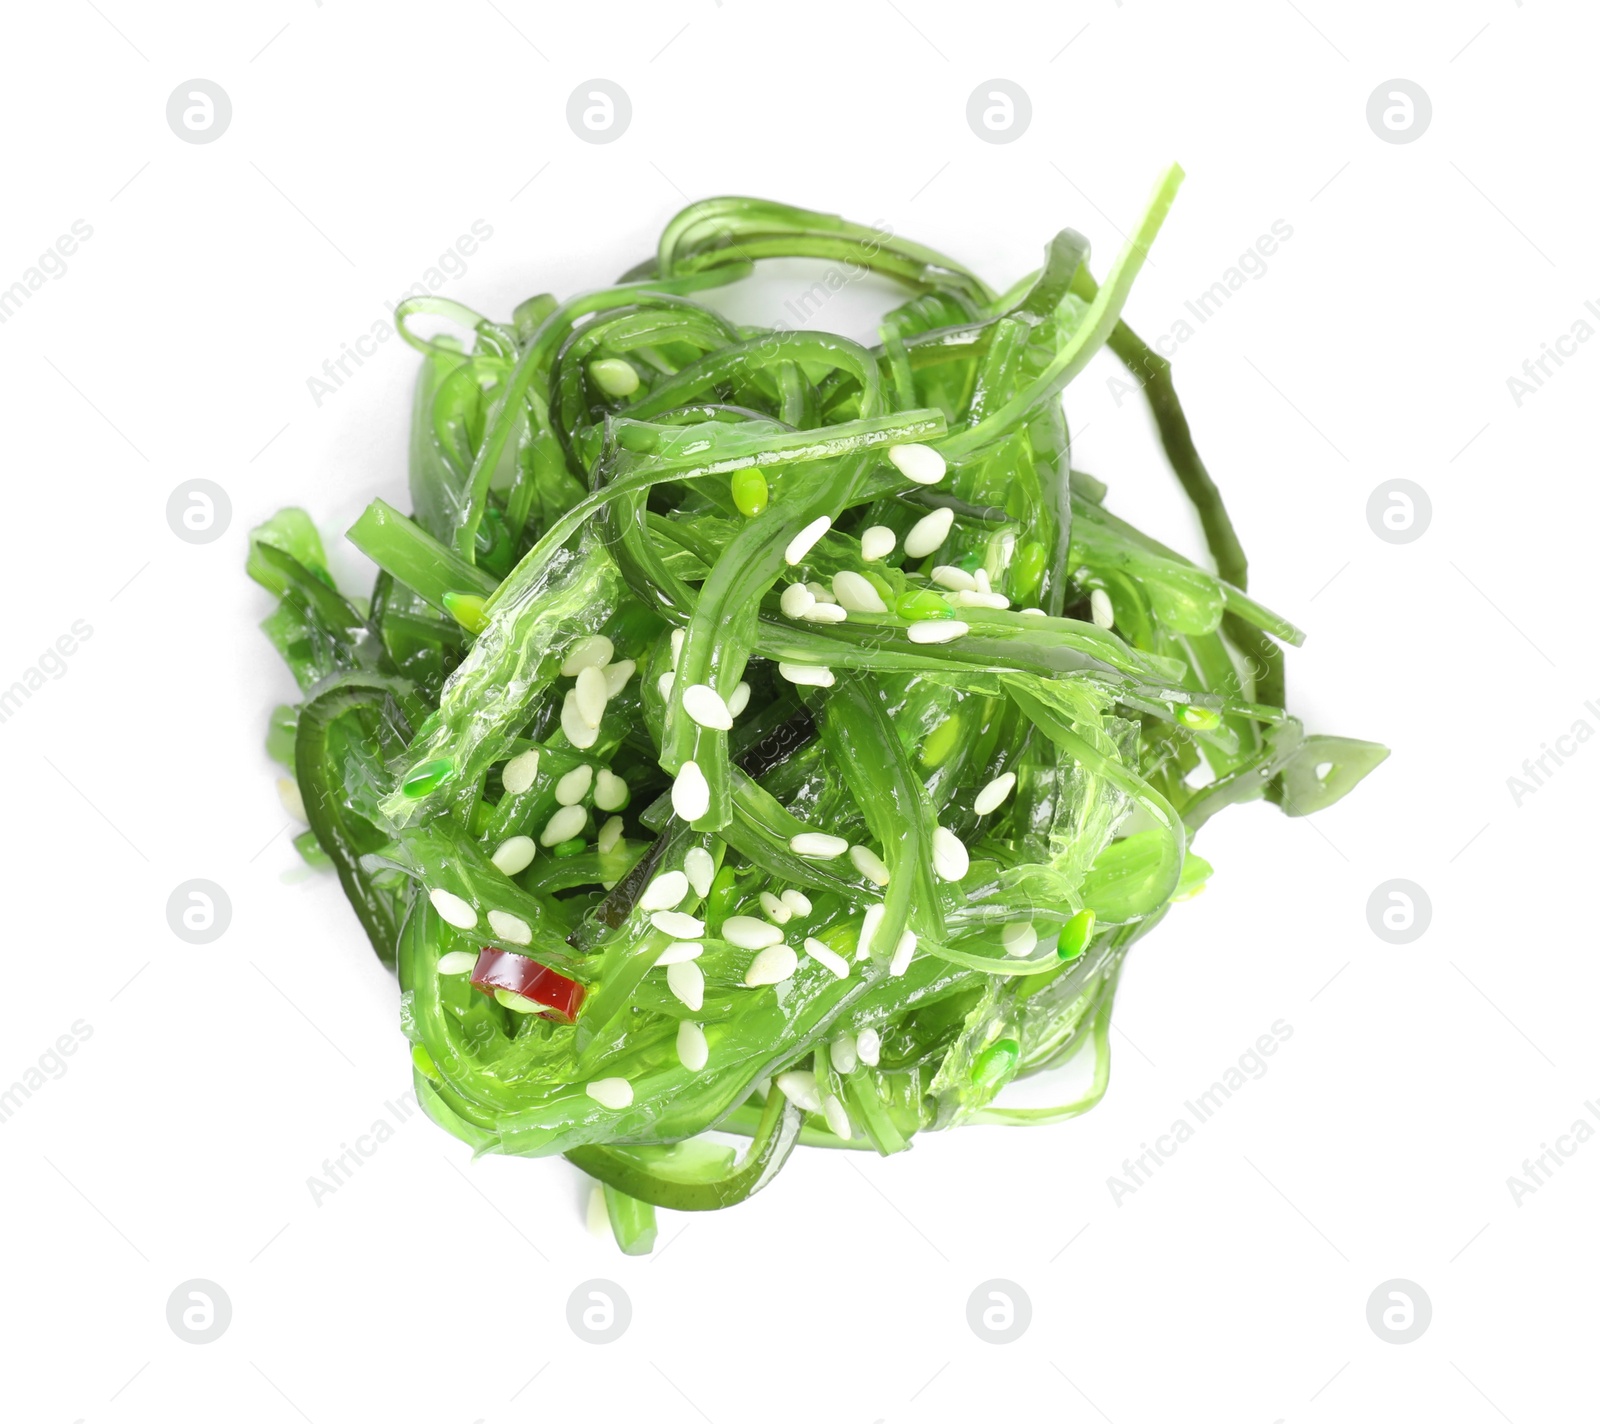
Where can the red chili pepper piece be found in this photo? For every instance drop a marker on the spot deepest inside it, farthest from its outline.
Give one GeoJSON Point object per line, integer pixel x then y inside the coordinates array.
{"type": "Point", "coordinates": [501, 969]}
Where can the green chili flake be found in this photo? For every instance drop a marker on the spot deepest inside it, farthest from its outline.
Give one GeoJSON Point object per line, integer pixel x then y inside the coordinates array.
{"type": "Point", "coordinates": [614, 377]}
{"type": "Point", "coordinates": [640, 439]}
{"type": "Point", "coordinates": [281, 729]}
{"type": "Point", "coordinates": [750, 493]}
{"type": "Point", "coordinates": [1026, 572]}
{"type": "Point", "coordinates": [724, 891]}
{"type": "Point", "coordinates": [467, 610]}
{"type": "Point", "coordinates": [1201, 719]}
{"type": "Point", "coordinates": [424, 1063]}
{"type": "Point", "coordinates": [941, 741]}
{"type": "Point", "coordinates": [919, 603]}
{"type": "Point", "coordinates": [426, 777]}
{"type": "Point", "coordinates": [996, 1063]}
{"type": "Point", "coordinates": [1075, 935]}
{"type": "Point", "coordinates": [576, 846]}
{"type": "Point", "coordinates": [311, 850]}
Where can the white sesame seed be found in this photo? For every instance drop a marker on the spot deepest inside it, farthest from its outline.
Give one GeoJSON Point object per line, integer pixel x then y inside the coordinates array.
{"type": "Point", "coordinates": [803, 542]}
{"type": "Point", "coordinates": [458, 961]}
{"type": "Point", "coordinates": [868, 862]}
{"type": "Point", "coordinates": [514, 855]}
{"type": "Point", "coordinates": [869, 927]}
{"type": "Point", "coordinates": [842, 1054]}
{"type": "Point", "coordinates": [877, 542]}
{"type": "Point", "coordinates": [563, 826]}
{"type": "Point", "coordinates": [617, 675]}
{"type": "Point", "coordinates": [610, 790]}
{"type": "Point", "coordinates": [836, 964]}
{"type": "Point", "coordinates": [1019, 938]}
{"type": "Point", "coordinates": [700, 868]}
{"type": "Point", "coordinates": [692, 1048]}
{"type": "Point", "coordinates": [774, 908]}
{"type": "Point", "coordinates": [574, 786]}
{"type": "Point", "coordinates": [948, 576]}
{"type": "Point", "coordinates": [929, 532]}
{"type": "Point", "coordinates": [937, 630]}
{"type": "Point", "coordinates": [838, 1118]}
{"type": "Point", "coordinates": [664, 685]}
{"type": "Point", "coordinates": [677, 924]}
{"type": "Point", "coordinates": [704, 706]}
{"type": "Point", "coordinates": [921, 464]}
{"type": "Point", "coordinates": [796, 600]}
{"type": "Point", "coordinates": [977, 599]}
{"type": "Point", "coordinates": [856, 593]}
{"type": "Point", "coordinates": [453, 910]}
{"type": "Point", "coordinates": [817, 845]}
{"type": "Point", "coordinates": [772, 966]}
{"type": "Point", "coordinates": [824, 613]}
{"type": "Point", "coordinates": [691, 796]}
{"type": "Point", "coordinates": [805, 675]}
{"type": "Point", "coordinates": [513, 929]}
{"type": "Point", "coordinates": [518, 774]}
{"type": "Point", "coordinates": [614, 1093]}
{"type": "Point", "coordinates": [1034, 612]}
{"type": "Point", "coordinates": [679, 952]}
{"type": "Point", "coordinates": [1100, 608]}
{"type": "Point", "coordinates": [796, 902]}
{"type": "Point", "coordinates": [799, 1085]}
{"type": "Point", "coordinates": [610, 834]}
{"type": "Point", "coordinates": [750, 933]}
{"type": "Point", "coordinates": [516, 1002]}
{"type": "Point", "coordinates": [740, 699]}
{"type": "Point", "coordinates": [665, 892]}
{"type": "Point", "coordinates": [688, 984]}
{"type": "Point", "coordinates": [950, 860]}
{"type": "Point", "coordinates": [820, 591]}
{"type": "Point", "coordinates": [993, 796]}
{"type": "Point", "coordinates": [980, 578]}
{"type": "Point", "coordinates": [594, 651]}
{"type": "Point", "coordinates": [676, 640]}
{"type": "Point", "coordinates": [581, 733]}
{"type": "Point", "coordinates": [869, 1043]}
{"type": "Point", "coordinates": [590, 693]}
{"type": "Point", "coordinates": [902, 955]}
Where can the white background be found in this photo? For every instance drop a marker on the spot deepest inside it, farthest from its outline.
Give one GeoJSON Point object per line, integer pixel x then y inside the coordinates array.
{"type": "Point", "coordinates": [364, 141]}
